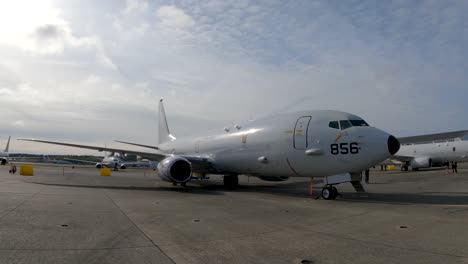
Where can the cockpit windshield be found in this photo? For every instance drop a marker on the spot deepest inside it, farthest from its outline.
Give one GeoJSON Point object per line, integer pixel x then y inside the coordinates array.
{"type": "Point", "coordinates": [358, 122]}
{"type": "Point", "coordinates": [344, 124]}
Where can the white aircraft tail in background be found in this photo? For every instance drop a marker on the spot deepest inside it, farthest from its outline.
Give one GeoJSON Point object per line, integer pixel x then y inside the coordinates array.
{"type": "Point", "coordinates": [4, 155]}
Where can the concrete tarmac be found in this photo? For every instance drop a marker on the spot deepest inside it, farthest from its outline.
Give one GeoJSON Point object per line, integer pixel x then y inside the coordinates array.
{"type": "Point", "coordinates": [65, 215]}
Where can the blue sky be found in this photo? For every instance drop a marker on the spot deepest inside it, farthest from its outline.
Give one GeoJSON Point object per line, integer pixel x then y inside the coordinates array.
{"type": "Point", "coordinates": [92, 71]}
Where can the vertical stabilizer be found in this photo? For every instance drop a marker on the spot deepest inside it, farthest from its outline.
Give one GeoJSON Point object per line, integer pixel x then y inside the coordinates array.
{"type": "Point", "coordinates": [164, 135]}
{"type": "Point", "coordinates": [7, 145]}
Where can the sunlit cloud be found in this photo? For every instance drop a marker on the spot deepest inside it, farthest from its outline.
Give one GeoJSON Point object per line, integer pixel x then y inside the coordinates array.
{"type": "Point", "coordinates": [93, 76]}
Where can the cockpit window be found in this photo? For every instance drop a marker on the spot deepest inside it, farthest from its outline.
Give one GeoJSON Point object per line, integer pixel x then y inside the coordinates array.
{"type": "Point", "coordinates": [358, 122]}
{"type": "Point", "coordinates": [345, 124]}
{"type": "Point", "coordinates": [334, 124]}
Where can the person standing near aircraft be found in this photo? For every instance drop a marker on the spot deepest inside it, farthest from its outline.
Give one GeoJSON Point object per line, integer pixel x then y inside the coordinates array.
{"type": "Point", "coordinates": [13, 169]}
{"type": "Point", "coordinates": [366, 176]}
{"type": "Point", "coordinates": [454, 167]}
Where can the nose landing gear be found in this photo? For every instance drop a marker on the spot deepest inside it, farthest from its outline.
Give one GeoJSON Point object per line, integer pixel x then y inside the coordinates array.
{"type": "Point", "coordinates": [329, 192]}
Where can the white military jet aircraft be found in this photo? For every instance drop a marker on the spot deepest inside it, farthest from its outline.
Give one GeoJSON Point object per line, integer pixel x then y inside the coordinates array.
{"type": "Point", "coordinates": [4, 156]}
{"type": "Point", "coordinates": [301, 144]}
{"type": "Point", "coordinates": [432, 150]}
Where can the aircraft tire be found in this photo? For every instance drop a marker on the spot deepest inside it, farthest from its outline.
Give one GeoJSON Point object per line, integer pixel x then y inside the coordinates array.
{"type": "Point", "coordinates": [327, 193]}
{"type": "Point", "coordinates": [334, 192]}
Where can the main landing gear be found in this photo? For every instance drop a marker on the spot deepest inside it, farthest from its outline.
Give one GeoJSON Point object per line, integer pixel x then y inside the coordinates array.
{"type": "Point", "coordinates": [404, 168]}
{"type": "Point", "coordinates": [183, 184]}
{"type": "Point", "coordinates": [231, 181]}
{"type": "Point", "coordinates": [329, 192]}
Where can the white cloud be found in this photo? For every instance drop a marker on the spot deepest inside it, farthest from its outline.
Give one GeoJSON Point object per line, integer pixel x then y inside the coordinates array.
{"type": "Point", "coordinates": [5, 92]}
{"type": "Point", "coordinates": [19, 123]}
{"type": "Point", "coordinates": [92, 80]}
{"type": "Point", "coordinates": [71, 75]}
{"type": "Point", "coordinates": [135, 6]}
{"type": "Point", "coordinates": [173, 17]}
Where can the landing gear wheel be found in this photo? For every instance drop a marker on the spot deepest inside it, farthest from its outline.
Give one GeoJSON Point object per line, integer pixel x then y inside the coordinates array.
{"type": "Point", "coordinates": [183, 184]}
{"type": "Point", "coordinates": [335, 192]}
{"type": "Point", "coordinates": [231, 181]}
{"type": "Point", "coordinates": [404, 168]}
{"type": "Point", "coordinates": [327, 193]}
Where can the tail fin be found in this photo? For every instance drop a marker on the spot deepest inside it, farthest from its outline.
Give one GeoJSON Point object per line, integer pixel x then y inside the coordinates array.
{"type": "Point", "coordinates": [164, 134]}
{"type": "Point", "coordinates": [7, 145]}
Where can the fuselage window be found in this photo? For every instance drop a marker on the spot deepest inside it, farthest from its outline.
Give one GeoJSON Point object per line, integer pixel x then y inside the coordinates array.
{"type": "Point", "coordinates": [344, 124]}
{"type": "Point", "coordinates": [334, 124]}
{"type": "Point", "coordinates": [358, 122]}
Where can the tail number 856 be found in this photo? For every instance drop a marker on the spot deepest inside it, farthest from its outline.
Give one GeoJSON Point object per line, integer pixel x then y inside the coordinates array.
{"type": "Point", "coordinates": [345, 148]}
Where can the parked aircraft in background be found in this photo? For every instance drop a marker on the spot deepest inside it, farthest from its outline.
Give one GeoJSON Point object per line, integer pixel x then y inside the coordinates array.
{"type": "Point", "coordinates": [110, 160]}
{"type": "Point", "coordinates": [4, 156]}
{"type": "Point", "coordinates": [318, 143]}
{"type": "Point", "coordinates": [432, 150]}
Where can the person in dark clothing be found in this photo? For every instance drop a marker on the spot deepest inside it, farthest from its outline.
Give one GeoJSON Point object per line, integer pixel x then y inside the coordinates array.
{"type": "Point", "coordinates": [366, 178]}
{"type": "Point", "coordinates": [454, 167]}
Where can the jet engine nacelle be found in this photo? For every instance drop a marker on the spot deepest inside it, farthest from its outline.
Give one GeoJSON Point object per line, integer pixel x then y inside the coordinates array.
{"type": "Point", "coordinates": [98, 165]}
{"type": "Point", "coordinates": [3, 161]}
{"type": "Point", "coordinates": [123, 166]}
{"type": "Point", "coordinates": [421, 162]}
{"type": "Point", "coordinates": [273, 178]}
{"type": "Point", "coordinates": [175, 169]}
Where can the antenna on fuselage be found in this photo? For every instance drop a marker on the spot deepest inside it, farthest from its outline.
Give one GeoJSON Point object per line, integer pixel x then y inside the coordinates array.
{"type": "Point", "coordinates": [164, 135]}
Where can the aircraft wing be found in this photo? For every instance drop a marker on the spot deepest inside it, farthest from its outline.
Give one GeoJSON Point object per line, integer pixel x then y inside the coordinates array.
{"type": "Point", "coordinates": [200, 163]}
{"type": "Point", "coordinates": [433, 137]}
{"type": "Point", "coordinates": [83, 161]}
{"type": "Point", "coordinates": [157, 156]}
{"type": "Point", "coordinates": [402, 158]}
{"type": "Point", "coordinates": [136, 144]}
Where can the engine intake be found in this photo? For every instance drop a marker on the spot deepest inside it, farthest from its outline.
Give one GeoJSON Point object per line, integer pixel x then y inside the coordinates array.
{"type": "Point", "coordinates": [175, 169]}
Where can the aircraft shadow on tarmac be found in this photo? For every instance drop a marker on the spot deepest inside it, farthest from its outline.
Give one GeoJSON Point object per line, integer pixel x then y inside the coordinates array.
{"type": "Point", "coordinates": [155, 188]}
{"type": "Point", "coordinates": [297, 189]}
{"type": "Point", "coordinates": [407, 198]}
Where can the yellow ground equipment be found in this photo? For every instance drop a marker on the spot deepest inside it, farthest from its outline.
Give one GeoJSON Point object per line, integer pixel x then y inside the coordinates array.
{"type": "Point", "coordinates": [105, 172]}
{"type": "Point", "coordinates": [26, 170]}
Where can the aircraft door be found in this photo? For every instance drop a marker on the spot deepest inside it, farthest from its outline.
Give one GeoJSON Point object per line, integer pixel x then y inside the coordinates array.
{"type": "Point", "coordinates": [300, 132]}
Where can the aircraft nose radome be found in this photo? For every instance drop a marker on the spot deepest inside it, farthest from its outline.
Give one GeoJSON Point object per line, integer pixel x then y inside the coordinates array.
{"type": "Point", "coordinates": [393, 145]}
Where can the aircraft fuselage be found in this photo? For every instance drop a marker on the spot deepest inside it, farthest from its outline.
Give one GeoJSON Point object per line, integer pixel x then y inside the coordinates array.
{"type": "Point", "coordinates": [295, 144]}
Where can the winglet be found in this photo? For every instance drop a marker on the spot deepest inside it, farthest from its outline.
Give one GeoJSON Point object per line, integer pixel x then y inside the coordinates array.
{"type": "Point", "coordinates": [164, 135]}
{"type": "Point", "coordinates": [7, 145]}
